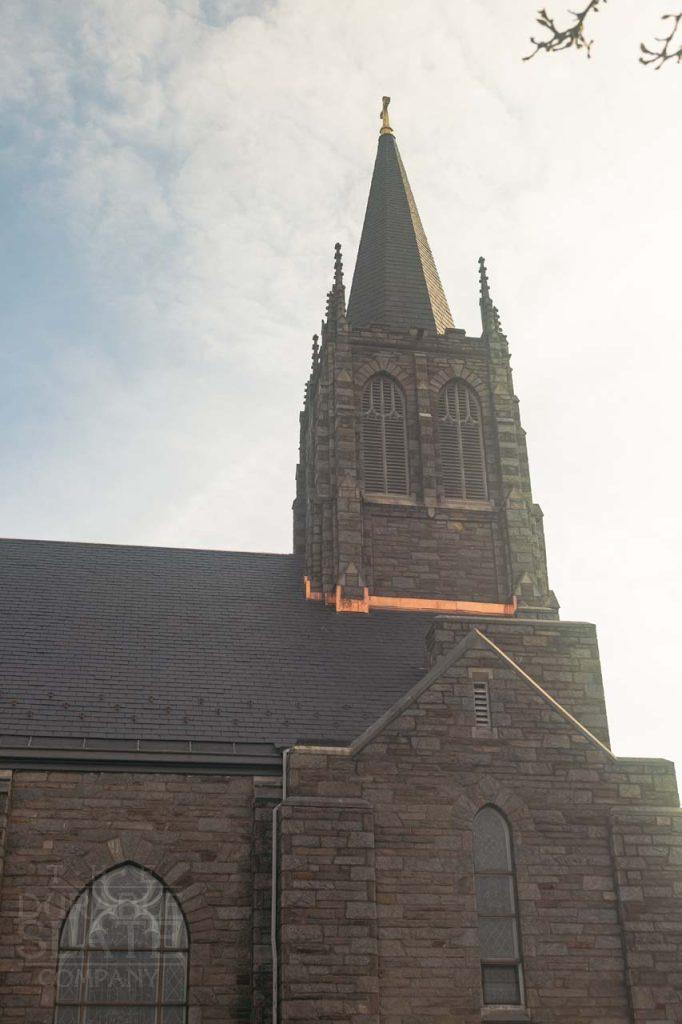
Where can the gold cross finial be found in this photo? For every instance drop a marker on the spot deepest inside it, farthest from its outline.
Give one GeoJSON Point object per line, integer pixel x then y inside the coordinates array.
{"type": "Point", "coordinates": [385, 124]}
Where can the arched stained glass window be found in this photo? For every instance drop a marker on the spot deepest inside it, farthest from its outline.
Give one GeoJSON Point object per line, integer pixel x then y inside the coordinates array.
{"type": "Point", "coordinates": [498, 928]}
{"type": "Point", "coordinates": [460, 429]}
{"type": "Point", "coordinates": [384, 437]}
{"type": "Point", "coordinates": [123, 953]}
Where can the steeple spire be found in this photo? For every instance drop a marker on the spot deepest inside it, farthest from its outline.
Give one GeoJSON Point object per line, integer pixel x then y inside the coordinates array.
{"type": "Point", "coordinates": [395, 281]}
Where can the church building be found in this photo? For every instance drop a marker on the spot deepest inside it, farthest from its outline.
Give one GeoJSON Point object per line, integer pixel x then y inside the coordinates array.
{"type": "Point", "coordinates": [367, 782]}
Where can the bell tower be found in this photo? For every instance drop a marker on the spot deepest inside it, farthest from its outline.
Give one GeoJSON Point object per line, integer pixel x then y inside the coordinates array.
{"type": "Point", "coordinates": [413, 488]}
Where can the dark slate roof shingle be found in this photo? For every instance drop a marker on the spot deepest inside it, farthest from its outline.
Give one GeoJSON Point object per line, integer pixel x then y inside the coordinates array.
{"type": "Point", "coordinates": [101, 640]}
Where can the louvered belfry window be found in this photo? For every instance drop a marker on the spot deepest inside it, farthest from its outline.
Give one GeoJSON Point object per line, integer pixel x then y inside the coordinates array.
{"type": "Point", "coordinates": [384, 437]}
{"type": "Point", "coordinates": [498, 929]}
{"type": "Point", "coordinates": [460, 429]}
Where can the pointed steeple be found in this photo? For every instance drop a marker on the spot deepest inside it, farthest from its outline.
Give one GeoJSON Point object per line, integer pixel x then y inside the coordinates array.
{"type": "Point", "coordinates": [395, 281]}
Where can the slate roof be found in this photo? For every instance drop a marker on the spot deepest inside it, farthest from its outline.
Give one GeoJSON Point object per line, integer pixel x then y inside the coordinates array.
{"type": "Point", "coordinates": [395, 281]}
{"type": "Point", "coordinates": [102, 640]}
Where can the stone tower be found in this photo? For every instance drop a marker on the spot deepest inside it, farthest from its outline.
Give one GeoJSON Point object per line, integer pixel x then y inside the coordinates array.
{"type": "Point", "coordinates": [413, 489]}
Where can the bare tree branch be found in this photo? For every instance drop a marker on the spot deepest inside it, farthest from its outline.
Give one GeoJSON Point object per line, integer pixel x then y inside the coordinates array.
{"type": "Point", "coordinates": [572, 37]}
{"type": "Point", "coordinates": [665, 52]}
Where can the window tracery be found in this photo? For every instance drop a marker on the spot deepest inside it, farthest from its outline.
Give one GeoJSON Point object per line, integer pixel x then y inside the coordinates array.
{"type": "Point", "coordinates": [123, 953]}
{"type": "Point", "coordinates": [498, 927]}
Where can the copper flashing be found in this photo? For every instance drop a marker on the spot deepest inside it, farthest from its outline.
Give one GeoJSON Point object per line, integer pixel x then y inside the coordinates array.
{"type": "Point", "coordinates": [408, 604]}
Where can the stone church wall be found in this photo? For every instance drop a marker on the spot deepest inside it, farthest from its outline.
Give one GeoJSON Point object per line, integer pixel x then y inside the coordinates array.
{"type": "Point", "coordinates": [376, 919]}
{"type": "Point", "coordinates": [422, 780]}
{"type": "Point", "coordinates": [647, 851]}
{"type": "Point", "coordinates": [194, 831]}
{"type": "Point", "coordinates": [328, 911]}
{"type": "Point", "coordinates": [447, 555]}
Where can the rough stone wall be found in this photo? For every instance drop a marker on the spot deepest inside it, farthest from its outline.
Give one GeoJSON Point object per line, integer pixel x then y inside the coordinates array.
{"type": "Point", "coordinates": [563, 657]}
{"type": "Point", "coordinates": [647, 850]}
{"type": "Point", "coordinates": [425, 776]}
{"type": "Point", "coordinates": [327, 908]}
{"type": "Point", "coordinates": [194, 831]}
{"type": "Point", "coordinates": [443, 555]}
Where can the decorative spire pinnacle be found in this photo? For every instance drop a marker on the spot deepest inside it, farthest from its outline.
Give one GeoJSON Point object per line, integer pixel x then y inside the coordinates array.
{"type": "Point", "coordinates": [483, 276]}
{"type": "Point", "coordinates": [336, 299]}
{"type": "Point", "coordinates": [490, 316]}
{"type": "Point", "coordinates": [338, 266]}
{"type": "Point", "coordinates": [385, 123]}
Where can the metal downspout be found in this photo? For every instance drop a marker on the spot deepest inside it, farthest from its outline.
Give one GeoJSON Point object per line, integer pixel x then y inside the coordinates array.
{"type": "Point", "coordinates": [273, 894]}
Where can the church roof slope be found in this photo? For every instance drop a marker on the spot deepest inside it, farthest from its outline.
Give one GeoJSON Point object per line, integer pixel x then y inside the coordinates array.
{"type": "Point", "coordinates": [395, 281]}
{"type": "Point", "coordinates": [102, 640]}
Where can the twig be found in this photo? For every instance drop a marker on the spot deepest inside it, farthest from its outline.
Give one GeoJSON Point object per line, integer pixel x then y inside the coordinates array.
{"type": "Point", "coordinates": [564, 39]}
{"type": "Point", "coordinates": [659, 57]}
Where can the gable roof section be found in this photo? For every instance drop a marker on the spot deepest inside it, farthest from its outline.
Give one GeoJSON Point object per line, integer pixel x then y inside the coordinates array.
{"type": "Point", "coordinates": [472, 640]}
{"type": "Point", "coordinates": [122, 642]}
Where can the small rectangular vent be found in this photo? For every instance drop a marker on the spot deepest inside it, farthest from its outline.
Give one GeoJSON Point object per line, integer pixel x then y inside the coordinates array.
{"type": "Point", "coordinates": [482, 704]}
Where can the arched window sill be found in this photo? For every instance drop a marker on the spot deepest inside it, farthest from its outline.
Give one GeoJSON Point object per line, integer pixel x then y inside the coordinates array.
{"type": "Point", "coordinates": [467, 504]}
{"type": "Point", "coordinates": [505, 1015]}
{"type": "Point", "coordinates": [389, 499]}
{"type": "Point", "coordinates": [460, 504]}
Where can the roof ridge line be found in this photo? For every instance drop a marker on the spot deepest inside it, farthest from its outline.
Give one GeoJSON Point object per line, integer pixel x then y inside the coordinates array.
{"type": "Point", "coordinates": [145, 547]}
{"type": "Point", "coordinates": [412, 694]}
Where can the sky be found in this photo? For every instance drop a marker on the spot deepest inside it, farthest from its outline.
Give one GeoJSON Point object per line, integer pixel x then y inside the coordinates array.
{"type": "Point", "coordinates": [173, 178]}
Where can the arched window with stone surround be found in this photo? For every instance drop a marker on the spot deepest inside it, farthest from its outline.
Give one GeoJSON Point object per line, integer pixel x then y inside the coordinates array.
{"type": "Point", "coordinates": [123, 953]}
{"type": "Point", "coordinates": [384, 437]}
{"type": "Point", "coordinates": [496, 906]}
{"type": "Point", "coordinates": [460, 434]}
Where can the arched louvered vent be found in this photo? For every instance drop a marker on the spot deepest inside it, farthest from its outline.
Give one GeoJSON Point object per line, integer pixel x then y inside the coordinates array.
{"type": "Point", "coordinates": [384, 438]}
{"type": "Point", "coordinates": [462, 456]}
